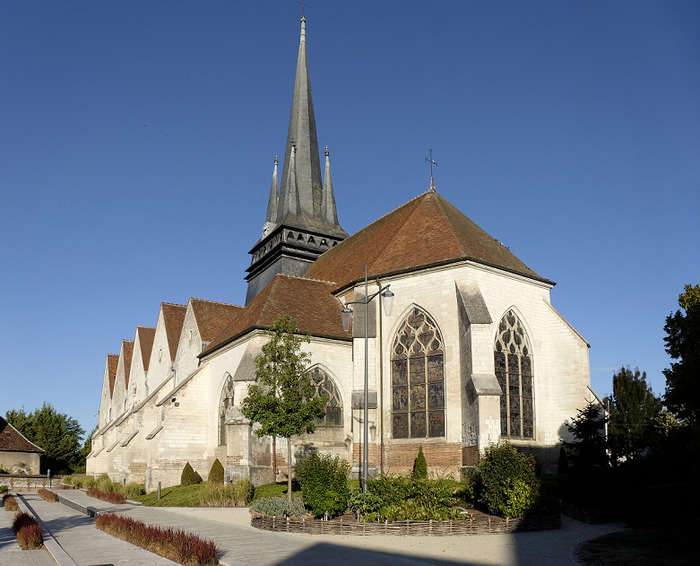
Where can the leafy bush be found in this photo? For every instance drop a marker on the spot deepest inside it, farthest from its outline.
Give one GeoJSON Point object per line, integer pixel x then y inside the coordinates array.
{"type": "Point", "coordinates": [505, 481]}
{"type": "Point", "coordinates": [420, 466]}
{"type": "Point", "coordinates": [9, 503]}
{"type": "Point", "coordinates": [3, 488]}
{"type": "Point", "coordinates": [108, 496]}
{"type": "Point", "coordinates": [393, 490]}
{"type": "Point", "coordinates": [174, 544]}
{"type": "Point", "coordinates": [324, 483]}
{"type": "Point", "coordinates": [365, 503]}
{"type": "Point", "coordinates": [47, 495]}
{"type": "Point", "coordinates": [238, 493]}
{"type": "Point", "coordinates": [216, 473]}
{"type": "Point", "coordinates": [189, 476]}
{"type": "Point", "coordinates": [278, 506]}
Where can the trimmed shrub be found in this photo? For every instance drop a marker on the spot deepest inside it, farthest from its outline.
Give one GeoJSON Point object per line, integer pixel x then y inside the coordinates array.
{"type": "Point", "coordinates": [236, 494]}
{"type": "Point", "coordinates": [174, 544]}
{"type": "Point", "coordinates": [413, 498]}
{"type": "Point", "coordinates": [9, 503]}
{"type": "Point", "coordinates": [216, 473]}
{"type": "Point", "coordinates": [278, 507]}
{"type": "Point", "coordinates": [324, 483]}
{"type": "Point", "coordinates": [189, 476]}
{"type": "Point", "coordinates": [108, 496]}
{"type": "Point", "coordinates": [420, 466]}
{"type": "Point", "coordinates": [47, 495]}
{"type": "Point", "coordinates": [30, 537]}
{"type": "Point", "coordinates": [505, 481]}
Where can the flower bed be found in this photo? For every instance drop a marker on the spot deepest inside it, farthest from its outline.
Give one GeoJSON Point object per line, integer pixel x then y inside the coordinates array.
{"type": "Point", "coordinates": [47, 495]}
{"type": "Point", "coordinates": [28, 532]}
{"type": "Point", "coordinates": [173, 544]}
{"type": "Point", "coordinates": [479, 524]}
{"type": "Point", "coordinates": [108, 496]}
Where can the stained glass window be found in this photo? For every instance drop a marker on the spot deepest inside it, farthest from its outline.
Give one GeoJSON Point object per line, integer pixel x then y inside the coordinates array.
{"type": "Point", "coordinates": [513, 364]}
{"type": "Point", "coordinates": [324, 387]}
{"type": "Point", "coordinates": [224, 404]}
{"type": "Point", "coordinates": [417, 379]}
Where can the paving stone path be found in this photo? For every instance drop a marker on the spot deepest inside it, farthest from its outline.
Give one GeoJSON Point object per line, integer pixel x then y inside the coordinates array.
{"type": "Point", "coordinates": [76, 542]}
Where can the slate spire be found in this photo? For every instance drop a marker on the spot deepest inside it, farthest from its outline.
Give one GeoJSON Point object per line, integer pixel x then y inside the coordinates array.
{"type": "Point", "coordinates": [330, 215]}
{"type": "Point", "coordinates": [271, 218]}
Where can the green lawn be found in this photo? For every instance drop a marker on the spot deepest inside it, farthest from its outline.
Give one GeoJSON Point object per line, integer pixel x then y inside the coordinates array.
{"type": "Point", "coordinates": [176, 496]}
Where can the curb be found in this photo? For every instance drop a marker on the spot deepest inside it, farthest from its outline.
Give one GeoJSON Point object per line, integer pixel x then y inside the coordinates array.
{"type": "Point", "coordinates": [56, 551]}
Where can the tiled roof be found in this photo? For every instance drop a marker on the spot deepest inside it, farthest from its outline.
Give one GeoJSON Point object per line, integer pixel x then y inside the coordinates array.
{"type": "Point", "coordinates": [128, 353]}
{"type": "Point", "coordinates": [112, 363]}
{"type": "Point", "coordinates": [174, 317]}
{"type": "Point", "coordinates": [309, 302]}
{"type": "Point", "coordinates": [146, 335]}
{"type": "Point", "coordinates": [13, 441]}
{"type": "Point", "coordinates": [425, 231]}
{"type": "Point", "coordinates": [213, 317]}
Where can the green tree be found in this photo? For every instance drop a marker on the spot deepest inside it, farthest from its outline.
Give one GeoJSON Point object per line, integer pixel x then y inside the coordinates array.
{"type": "Point", "coordinates": [633, 409]}
{"type": "Point", "coordinates": [683, 344]}
{"type": "Point", "coordinates": [589, 448]}
{"type": "Point", "coordinates": [282, 400]}
{"type": "Point", "coordinates": [58, 434]}
{"type": "Point", "coordinates": [420, 465]}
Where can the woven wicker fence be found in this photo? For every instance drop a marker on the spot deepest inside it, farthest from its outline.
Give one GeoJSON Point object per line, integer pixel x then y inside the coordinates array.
{"type": "Point", "coordinates": [486, 525]}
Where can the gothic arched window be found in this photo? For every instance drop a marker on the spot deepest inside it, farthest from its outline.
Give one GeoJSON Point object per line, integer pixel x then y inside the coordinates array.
{"type": "Point", "coordinates": [513, 361]}
{"type": "Point", "coordinates": [324, 387]}
{"type": "Point", "coordinates": [225, 403]}
{"type": "Point", "coordinates": [417, 378]}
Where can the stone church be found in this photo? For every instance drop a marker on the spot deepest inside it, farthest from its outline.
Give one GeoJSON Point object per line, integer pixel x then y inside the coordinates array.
{"type": "Point", "coordinates": [472, 352]}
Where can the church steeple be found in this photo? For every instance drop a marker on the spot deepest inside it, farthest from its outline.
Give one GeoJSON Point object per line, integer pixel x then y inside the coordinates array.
{"type": "Point", "coordinates": [301, 221]}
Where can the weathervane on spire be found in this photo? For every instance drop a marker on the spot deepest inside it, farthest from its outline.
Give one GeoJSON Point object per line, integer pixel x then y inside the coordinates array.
{"type": "Point", "coordinates": [303, 6]}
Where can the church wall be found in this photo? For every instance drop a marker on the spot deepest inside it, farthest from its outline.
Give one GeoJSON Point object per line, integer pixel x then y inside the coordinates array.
{"type": "Point", "coordinates": [137, 378]}
{"type": "Point", "coordinates": [160, 364]}
{"type": "Point", "coordinates": [189, 347]}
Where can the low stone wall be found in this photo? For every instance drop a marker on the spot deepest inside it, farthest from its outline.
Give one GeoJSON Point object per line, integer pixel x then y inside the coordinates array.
{"type": "Point", "coordinates": [481, 526]}
{"type": "Point", "coordinates": [28, 484]}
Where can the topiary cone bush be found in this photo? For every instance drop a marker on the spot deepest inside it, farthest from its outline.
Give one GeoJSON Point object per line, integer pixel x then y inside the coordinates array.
{"type": "Point", "coordinates": [216, 474]}
{"type": "Point", "coordinates": [420, 466]}
{"type": "Point", "coordinates": [189, 476]}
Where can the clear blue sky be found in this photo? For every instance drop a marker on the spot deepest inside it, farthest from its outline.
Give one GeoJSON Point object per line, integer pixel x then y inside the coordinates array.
{"type": "Point", "coordinates": [137, 142]}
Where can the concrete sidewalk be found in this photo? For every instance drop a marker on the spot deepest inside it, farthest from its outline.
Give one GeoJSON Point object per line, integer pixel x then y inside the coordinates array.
{"type": "Point", "coordinates": [242, 545]}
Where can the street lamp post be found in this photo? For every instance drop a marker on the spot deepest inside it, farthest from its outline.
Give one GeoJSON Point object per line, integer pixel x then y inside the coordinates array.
{"type": "Point", "coordinates": [346, 317]}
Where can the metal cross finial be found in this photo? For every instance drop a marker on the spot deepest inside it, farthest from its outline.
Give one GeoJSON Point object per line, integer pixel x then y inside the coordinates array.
{"type": "Point", "coordinates": [303, 6]}
{"type": "Point", "coordinates": [432, 162]}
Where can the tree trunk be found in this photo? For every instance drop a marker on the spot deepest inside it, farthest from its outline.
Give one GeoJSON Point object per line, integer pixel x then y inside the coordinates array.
{"type": "Point", "coordinates": [289, 470]}
{"type": "Point", "coordinates": [274, 459]}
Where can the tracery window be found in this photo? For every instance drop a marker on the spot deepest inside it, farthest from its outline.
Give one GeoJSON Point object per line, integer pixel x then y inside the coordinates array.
{"type": "Point", "coordinates": [324, 387]}
{"type": "Point", "coordinates": [417, 378]}
{"type": "Point", "coordinates": [513, 361]}
{"type": "Point", "coordinates": [224, 404]}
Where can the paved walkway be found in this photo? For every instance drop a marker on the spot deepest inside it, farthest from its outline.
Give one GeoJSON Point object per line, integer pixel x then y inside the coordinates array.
{"type": "Point", "coordinates": [240, 545]}
{"type": "Point", "coordinates": [10, 552]}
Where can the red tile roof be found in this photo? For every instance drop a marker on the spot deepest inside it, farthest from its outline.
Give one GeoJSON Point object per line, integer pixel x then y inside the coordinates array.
{"type": "Point", "coordinates": [309, 302]}
{"type": "Point", "coordinates": [425, 231]}
{"type": "Point", "coordinates": [174, 318]}
{"type": "Point", "coordinates": [213, 317]}
{"type": "Point", "coordinates": [12, 440]}
{"type": "Point", "coordinates": [112, 363]}
{"type": "Point", "coordinates": [128, 353]}
{"type": "Point", "coordinates": [146, 335]}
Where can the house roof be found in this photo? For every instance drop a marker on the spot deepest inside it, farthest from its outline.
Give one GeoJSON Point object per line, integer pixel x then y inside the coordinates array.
{"type": "Point", "coordinates": [11, 440]}
{"type": "Point", "coordinates": [112, 363]}
{"type": "Point", "coordinates": [425, 231]}
{"type": "Point", "coordinates": [146, 335]}
{"type": "Point", "coordinates": [213, 317]}
{"type": "Point", "coordinates": [128, 353]}
{"type": "Point", "coordinates": [309, 302]}
{"type": "Point", "coordinates": [174, 318]}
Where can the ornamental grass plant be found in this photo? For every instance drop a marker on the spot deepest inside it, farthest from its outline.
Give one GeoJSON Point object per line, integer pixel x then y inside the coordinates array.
{"type": "Point", "coordinates": [108, 496]}
{"type": "Point", "coordinates": [27, 531]}
{"type": "Point", "coordinates": [173, 544]}
{"type": "Point", "coordinates": [47, 495]}
{"type": "Point", "coordinates": [236, 494]}
{"type": "Point", "coordinates": [9, 502]}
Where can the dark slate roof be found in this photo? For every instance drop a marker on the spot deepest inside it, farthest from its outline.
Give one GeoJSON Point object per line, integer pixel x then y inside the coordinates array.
{"type": "Point", "coordinates": [309, 302]}
{"type": "Point", "coordinates": [146, 335]}
{"type": "Point", "coordinates": [425, 231]}
{"type": "Point", "coordinates": [11, 440]}
{"type": "Point", "coordinates": [112, 363]}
